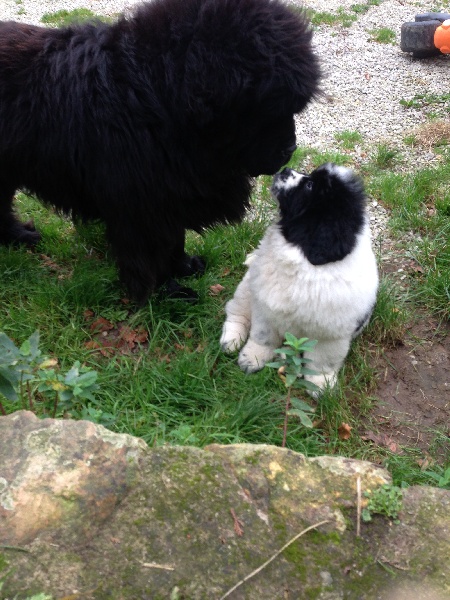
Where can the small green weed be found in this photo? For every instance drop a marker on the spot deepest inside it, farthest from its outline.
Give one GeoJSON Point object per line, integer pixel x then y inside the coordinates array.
{"type": "Point", "coordinates": [384, 35]}
{"type": "Point", "coordinates": [384, 156]}
{"type": "Point", "coordinates": [441, 477]}
{"type": "Point", "coordinates": [420, 101]}
{"type": "Point", "coordinates": [292, 368]}
{"type": "Point", "coordinates": [27, 378]}
{"type": "Point", "coordinates": [386, 500]}
{"type": "Point", "coordinates": [349, 139]}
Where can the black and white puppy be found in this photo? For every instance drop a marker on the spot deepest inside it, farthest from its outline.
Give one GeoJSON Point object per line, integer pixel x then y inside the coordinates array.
{"type": "Point", "coordinates": [313, 275]}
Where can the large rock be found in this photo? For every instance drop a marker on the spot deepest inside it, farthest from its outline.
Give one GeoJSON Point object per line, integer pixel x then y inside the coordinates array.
{"type": "Point", "coordinates": [88, 514]}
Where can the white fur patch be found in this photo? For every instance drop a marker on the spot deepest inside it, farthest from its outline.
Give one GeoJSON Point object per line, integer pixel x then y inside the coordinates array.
{"type": "Point", "coordinates": [283, 292]}
{"type": "Point", "coordinates": [344, 173]}
{"type": "Point", "coordinates": [291, 181]}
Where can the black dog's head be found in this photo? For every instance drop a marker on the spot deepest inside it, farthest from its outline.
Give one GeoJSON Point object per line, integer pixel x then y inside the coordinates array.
{"type": "Point", "coordinates": [272, 148]}
{"type": "Point", "coordinates": [235, 74]}
{"type": "Point", "coordinates": [321, 213]}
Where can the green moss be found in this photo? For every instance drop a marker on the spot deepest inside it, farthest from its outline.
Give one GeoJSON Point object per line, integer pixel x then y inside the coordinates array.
{"type": "Point", "coordinates": [3, 563]}
{"type": "Point", "coordinates": [253, 459]}
{"type": "Point", "coordinates": [323, 538]}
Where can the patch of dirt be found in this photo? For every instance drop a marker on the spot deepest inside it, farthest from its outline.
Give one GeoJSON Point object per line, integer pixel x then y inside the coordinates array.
{"type": "Point", "coordinates": [414, 391]}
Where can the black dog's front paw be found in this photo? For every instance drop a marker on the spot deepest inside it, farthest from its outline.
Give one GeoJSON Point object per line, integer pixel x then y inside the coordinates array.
{"type": "Point", "coordinates": [173, 289]}
{"type": "Point", "coordinates": [190, 265]}
{"type": "Point", "coordinates": [16, 233]}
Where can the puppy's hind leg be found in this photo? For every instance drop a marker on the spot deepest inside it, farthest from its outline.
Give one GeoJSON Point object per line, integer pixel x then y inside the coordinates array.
{"type": "Point", "coordinates": [237, 323]}
{"type": "Point", "coordinates": [12, 231]}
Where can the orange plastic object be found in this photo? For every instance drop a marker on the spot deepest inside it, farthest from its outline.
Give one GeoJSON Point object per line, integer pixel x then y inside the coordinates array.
{"type": "Point", "coordinates": [442, 37]}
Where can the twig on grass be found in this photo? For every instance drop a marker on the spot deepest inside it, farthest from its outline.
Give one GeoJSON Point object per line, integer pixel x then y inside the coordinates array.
{"type": "Point", "coordinates": [272, 558]}
{"type": "Point", "coordinates": [153, 565]}
{"type": "Point", "coordinates": [358, 506]}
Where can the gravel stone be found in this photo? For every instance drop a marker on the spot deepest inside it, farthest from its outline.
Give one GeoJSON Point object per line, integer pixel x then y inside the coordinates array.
{"type": "Point", "coordinates": [363, 80]}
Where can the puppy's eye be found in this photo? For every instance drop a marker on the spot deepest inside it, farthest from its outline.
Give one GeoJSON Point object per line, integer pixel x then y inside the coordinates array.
{"type": "Point", "coordinates": [309, 185]}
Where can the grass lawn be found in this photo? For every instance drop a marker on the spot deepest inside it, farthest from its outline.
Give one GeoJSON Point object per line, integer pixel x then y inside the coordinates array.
{"type": "Point", "coordinates": [161, 374]}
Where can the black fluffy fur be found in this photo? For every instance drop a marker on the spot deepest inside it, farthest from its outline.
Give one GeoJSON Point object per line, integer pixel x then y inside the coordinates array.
{"type": "Point", "coordinates": [323, 214]}
{"type": "Point", "coordinates": [154, 124]}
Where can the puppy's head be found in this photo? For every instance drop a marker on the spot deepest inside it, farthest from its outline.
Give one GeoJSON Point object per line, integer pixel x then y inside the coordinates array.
{"type": "Point", "coordinates": [321, 213]}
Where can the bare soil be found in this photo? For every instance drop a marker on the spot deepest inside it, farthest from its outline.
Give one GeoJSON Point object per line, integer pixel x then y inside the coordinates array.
{"type": "Point", "coordinates": [414, 391]}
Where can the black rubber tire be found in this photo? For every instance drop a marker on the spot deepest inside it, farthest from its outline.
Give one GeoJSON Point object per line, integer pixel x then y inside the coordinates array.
{"type": "Point", "coordinates": [432, 16]}
{"type": "Point", "coordinates": [418, 37]}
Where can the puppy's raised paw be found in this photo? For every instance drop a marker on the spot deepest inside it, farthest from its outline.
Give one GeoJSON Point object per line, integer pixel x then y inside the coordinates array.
{"type": "Point", "coordinates": [253, 357]}
{"type": "Point", "coordinates": [234, 334]}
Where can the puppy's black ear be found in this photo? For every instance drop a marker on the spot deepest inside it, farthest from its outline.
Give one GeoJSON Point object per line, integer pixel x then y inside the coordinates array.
{"type": "Point", "coordinates": [324, 179]}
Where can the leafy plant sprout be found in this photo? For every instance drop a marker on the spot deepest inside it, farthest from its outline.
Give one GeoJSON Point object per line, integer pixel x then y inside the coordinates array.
{"type": "Point", "coordinates": [25, 375]}
{"type": "Point", "coordinates": [292, 368]}
{"type": "Point", "coordinates": [385, 500]}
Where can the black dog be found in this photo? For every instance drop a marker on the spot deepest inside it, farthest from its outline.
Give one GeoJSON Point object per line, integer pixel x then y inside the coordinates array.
{"type": "Point", "coordinates": [154, 124]}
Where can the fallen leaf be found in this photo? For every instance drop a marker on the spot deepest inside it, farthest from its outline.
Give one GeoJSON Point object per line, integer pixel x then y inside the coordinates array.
{"type": "Point", "coordinates": [141, 335]}
{"type": "Point", "coordinates": [92, 345]}
{"type": "Point", "coordinates": [101, 324]}
{"type": "Point", "coordinates": [382, 440]}
{"type": "Point", "coordinates": [50, 362]}
{"type": "Point", "coordinates": [344, 431]}
{"type": "Point", "coordinates": [49, 263]}
{"type": "Point", "coordinates": [216, 289]}
{"type": "Point", "coordinates": [127, 334]}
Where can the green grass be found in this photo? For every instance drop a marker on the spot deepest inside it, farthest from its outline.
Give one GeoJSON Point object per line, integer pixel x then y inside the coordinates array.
{"type": "Point", "coordinates": [63, 18]}
{"type": "Point", "coordinates": [435, 104]}
{"type": "Point", "coordinates": [342, 17]}
{"type": "Point", "coordinates": [348, 139]}
{"type": "Point", "coordinates": [178, 388]}
{"type": "Point", "coordinates": [383, 35]}
{"type": "Point", "coordinates": [420, 202]}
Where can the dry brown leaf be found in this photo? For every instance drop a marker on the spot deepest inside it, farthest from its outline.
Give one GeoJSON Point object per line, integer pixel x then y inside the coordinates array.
{"type": "Point", "coordinates": [216, 289]}
{"type": "Point", "coordinates": [101, 324]}
{"type": "Point", "coordinates": [344, 431]}
{"type": "Point", "coordinates": [382, 440]}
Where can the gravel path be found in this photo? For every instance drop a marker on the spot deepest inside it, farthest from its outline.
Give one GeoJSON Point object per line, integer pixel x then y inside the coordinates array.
{"type": "Point", "coordinates": [364, 81]}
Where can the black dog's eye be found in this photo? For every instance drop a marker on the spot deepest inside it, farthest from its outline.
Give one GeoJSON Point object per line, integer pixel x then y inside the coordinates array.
{"type": "Point", "coordinates": [309, 185]}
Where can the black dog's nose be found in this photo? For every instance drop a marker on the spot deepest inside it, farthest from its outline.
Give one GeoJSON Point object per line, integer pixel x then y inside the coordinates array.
{"type": "Point", "coordinates": [289, 152]}
{"type": "Point", "coordinates": [292, 149]}
{"type": "Point", "coordinates": [283, 174]}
